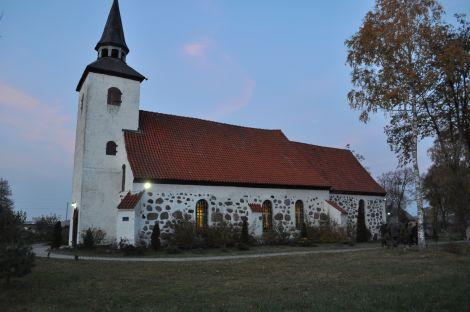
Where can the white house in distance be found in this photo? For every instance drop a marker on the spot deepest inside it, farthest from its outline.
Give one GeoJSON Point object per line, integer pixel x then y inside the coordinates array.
{"type": "Point", "coordinates": [134, 168]}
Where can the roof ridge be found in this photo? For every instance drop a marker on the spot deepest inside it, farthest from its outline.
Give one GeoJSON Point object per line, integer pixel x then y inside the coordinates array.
{"type": "Point", "coordinates": [315, 145]}
{"type": "Point", "coordinates": [214, 122]}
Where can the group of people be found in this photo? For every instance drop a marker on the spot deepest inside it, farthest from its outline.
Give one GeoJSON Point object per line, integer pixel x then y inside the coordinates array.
{"type": "Point", "coordinates": [393, 234]}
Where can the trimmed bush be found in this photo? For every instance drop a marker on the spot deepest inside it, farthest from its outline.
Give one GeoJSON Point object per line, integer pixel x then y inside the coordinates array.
{"type": "Point", "coordinates": [155, 239]}
{"type": "Point", "coordinates": [245, 236]}
{"type": "Point", "coordinates": [88, 240]}
{"type": "Point", "coordinates": [303, 230]}
{"type": "Point", "coordinates": [363, 234]}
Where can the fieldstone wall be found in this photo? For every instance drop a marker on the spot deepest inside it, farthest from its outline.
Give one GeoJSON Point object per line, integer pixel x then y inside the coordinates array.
{"type": "Point", "coordinates": [374, 209]}
{"type": "Point", "coordinates": [163, 203]}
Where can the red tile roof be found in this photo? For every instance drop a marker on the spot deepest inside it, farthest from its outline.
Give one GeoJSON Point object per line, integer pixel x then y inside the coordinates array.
{"type": "Point", "coordinates": [175, 149]}
{"type": "Point", "coordinates": [256, 208]}
{"type": "Point", "coordinates": [340, 168]}
{"type": "Point", "coordinates": [335, 205]}
{"type": "Point", "coordinates": [130, 200]}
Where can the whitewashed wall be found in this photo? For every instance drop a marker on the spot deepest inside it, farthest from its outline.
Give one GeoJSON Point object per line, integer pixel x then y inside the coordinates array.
{"type": "Point", "coordinates": [97, 177]}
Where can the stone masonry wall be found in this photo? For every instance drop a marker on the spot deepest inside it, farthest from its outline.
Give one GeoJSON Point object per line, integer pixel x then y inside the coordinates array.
{"type": "Point", "coordinates": [374, 209]}
{"type": "Point", "coordinates": [163, 202]}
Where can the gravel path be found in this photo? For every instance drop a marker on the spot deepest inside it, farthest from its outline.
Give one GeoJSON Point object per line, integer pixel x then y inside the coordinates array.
{"type": "Point", "coordinates": [42, 251]}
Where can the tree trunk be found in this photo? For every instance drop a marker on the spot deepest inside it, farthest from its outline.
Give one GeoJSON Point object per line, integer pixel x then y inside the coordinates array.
{"type": "Point", "coordinates": [417, 178]}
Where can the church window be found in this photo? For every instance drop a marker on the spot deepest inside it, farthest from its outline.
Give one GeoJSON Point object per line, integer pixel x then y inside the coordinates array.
{"type": "Point", "coordinates": [299, 214]}
{"type": "Point", "coordinates": [125, 218]}
{"type": "Point", "coordinates": [201, 215]}
{"type": "Point", "coordinates": [111, 148]}
{"type": "Point", "coordinates": [123, 182]}
{"type": "Point", "coordinates": [115, 53]}
{"type": "Point", "coordinates": [104, 53]}
{"type": "Point", "coordinates": [267, 216]}
{"type": "Point", "coordinates": [114, 96]}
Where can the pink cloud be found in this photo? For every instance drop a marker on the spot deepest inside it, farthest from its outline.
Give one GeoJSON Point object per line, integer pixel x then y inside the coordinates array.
{"type": "Point", "coordinates": [238, 102]}
{"type": "Point", "coordinates": [27, 120]}
{"type": "Point", "coordinates": [196, 49]}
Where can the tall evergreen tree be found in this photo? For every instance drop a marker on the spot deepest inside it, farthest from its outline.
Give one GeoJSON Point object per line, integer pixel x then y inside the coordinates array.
{"type": "Point", "coordinates": [16, 257]}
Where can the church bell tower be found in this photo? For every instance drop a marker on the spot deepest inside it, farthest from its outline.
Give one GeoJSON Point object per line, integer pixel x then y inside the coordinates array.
{"type": "Point", "coordinates": [108, 103]}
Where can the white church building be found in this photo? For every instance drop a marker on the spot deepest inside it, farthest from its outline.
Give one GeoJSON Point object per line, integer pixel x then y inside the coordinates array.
{"type": "Point", "coordinates": [134, 168]}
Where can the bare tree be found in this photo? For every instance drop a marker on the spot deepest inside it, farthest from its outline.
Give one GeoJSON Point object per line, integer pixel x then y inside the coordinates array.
{"type": "Point", "coordinates": [397, 184]}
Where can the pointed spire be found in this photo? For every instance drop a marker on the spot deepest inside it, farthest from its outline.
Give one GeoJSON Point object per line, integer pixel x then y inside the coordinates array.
{"type": "Point", "coordinates": [113, 33]}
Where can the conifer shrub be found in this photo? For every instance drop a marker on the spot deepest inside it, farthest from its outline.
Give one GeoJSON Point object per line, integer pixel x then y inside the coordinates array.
{"type": "Point", "coordinates": [303, 230]}
{"type": "Point", "coordinates": [88, 240]}
{"type": "Point", "coordinates": [155, 238]}
{"type": "Point", "coordinates": [245, 236]}
{"type": "Point", "coordinates": [57, 235]}
{"type": "Point", "coordinates": [363, 234]}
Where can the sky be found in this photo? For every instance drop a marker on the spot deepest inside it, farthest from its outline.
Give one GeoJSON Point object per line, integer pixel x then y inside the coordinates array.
{"type": "Point", "coordinates": [265, 64]}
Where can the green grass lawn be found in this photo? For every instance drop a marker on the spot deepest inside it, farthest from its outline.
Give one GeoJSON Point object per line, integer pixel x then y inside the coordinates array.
{"type": "Point", "coordinates": [379, 280]}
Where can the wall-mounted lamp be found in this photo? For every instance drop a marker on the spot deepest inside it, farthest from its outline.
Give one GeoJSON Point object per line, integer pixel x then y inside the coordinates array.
{"type": "Point", "coordinates": [147, 185]}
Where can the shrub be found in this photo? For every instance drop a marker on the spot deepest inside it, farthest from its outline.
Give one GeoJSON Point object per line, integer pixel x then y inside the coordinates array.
{"type": "Point", "coordinates": [183, 234]}
{"type": "Point", "coordinates": [244, 236]}
{"type": "Point", "coordinates": [278, 236]}
{"type": "Point", "coordinates": [327, 232]}
{"type": "Point", "coordinates": [221, 235]}
{"type": "Point", "coordinates": [16, 257]}
{"type": "Point", "coordinates": [16, 260]}
{"type": "Point", "coordinates": [44, 227]}
{"type": "Point", "coordinates": [57, 235]}
{"type": "Point", "coordinates": [363, 234]}
{"type": "Point", "coordinates": [93, 237]}
{"type": "Point", "coordinates": [88, 240]}
{"type": "Point", "coordinates": [155, 239]}
{"type": "Point", "coordinates": [303, 230]}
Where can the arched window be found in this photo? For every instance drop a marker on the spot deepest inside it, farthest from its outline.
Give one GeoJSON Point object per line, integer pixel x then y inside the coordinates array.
{"type": "Point", "coordinates": [201, 215]}
{"type": "Point", "coordinates": [123, 182]}
{"type": "Point", "coordinates": [299, 214]}
{"type": "Point", "coordinates": [267, 216]}
{"type": "Point", "coordinates": [104, 53]}
{"type": "Point", "coordinates": [111, 148]}
{"type": "Point", "coordinates": [114, 96]}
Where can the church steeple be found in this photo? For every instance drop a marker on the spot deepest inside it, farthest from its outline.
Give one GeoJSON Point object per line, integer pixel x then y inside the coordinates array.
{"type": "Point", "coordinates": [112, 42]}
